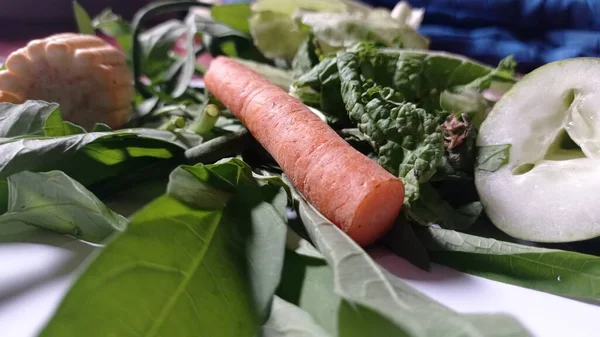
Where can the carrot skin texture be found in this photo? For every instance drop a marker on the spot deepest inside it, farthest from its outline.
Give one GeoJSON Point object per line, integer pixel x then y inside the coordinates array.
{"type": "Point", "coordinates": [351, 190]}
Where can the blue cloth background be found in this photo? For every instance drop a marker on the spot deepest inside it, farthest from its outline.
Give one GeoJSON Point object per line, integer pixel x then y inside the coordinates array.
{"type": "Point", "coordinates": [534, 31]}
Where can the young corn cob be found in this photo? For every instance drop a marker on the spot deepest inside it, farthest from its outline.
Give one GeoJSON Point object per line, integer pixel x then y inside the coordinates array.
{"type": "Point", "coordinates": [84, 74]}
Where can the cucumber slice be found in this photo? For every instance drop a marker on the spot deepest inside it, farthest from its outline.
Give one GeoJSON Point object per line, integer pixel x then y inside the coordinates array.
{"type": "Point", "coordinates": [549, 190]}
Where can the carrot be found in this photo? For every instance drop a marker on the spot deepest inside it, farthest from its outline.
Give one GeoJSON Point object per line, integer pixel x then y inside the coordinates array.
{"type": "Point", "coordinates": [351, 190]}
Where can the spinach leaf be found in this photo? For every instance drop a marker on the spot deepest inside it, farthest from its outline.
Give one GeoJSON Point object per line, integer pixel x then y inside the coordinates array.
{"type": "Point", "coordinates": [55, 126]}
{"type": "Point", "coordinates": [288, 320]}
{"type": "Point", "coordinates": [554, 271]}
{"type": "Point", "coordinates": [24, 119]}
{"type": "Point", "coordinates": [181, 270]}
{"type": "Point", "coordinates": [492, 157]}
{"type": "Point", "coordinates": [234, 15]}
{"type": "Point", "coordinates": [366, 300]}
{"type": "Point", "coordinates": [406, 139]}
{"type": "Point", "coordinates": [84, 22]}
{"type": "Point", "coordinates": [88, 158]}
{"type": "Point", "coordinates": [54, 201]}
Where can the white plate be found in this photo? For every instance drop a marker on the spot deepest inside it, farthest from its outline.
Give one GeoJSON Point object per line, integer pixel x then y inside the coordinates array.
{"type": "Point", "coordinates": [37, 271]}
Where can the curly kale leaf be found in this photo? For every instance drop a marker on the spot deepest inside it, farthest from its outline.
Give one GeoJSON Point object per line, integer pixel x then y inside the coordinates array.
{"type": "Point", "coordinates": [407, 139]}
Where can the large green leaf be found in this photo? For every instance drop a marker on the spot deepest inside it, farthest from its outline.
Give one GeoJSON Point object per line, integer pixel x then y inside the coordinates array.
{"type": "Point", "coordinates": [179, 270]}
{"type": "Point", "coordinates": [234, 15]}
{"type": "Point", "coordinates": [54, 201]}
{"type": "Point", "coordinates": [88, 157]}
{"type": "Point", "coordinates": [24, 119]}
{"type": "Point", "coordinates": [288, 320]}
{"type": "Point", "coordinates": [550, 270]}
{"type": "Point", "coordinates": [366, 300]}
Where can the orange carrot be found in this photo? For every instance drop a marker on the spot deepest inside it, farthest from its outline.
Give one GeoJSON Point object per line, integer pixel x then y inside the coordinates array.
{"type": "Point", "coordinates": [351, 190]}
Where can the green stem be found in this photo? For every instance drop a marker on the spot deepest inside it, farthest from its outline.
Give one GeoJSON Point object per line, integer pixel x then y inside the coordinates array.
{"type": "Point", "coordinates": [207, 120]}
{"type": "Point", "coordinates": [144, 14]}
{"type": "Point", "coordinates": [176, 122]}
{"type": "Point", "coordinates": [221, 147]}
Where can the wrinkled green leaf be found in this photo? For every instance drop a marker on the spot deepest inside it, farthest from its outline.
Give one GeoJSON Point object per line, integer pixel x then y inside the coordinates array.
{"type": "Point", "coordinates": [550, 270]}
{"type": "Point", "coordinates": [491, 158]}
{"type": "Point", "coordinates": [234, 15]}
{"type": "Point", "coordinates": [25, 119]}
{"type": "Point", "coordinates": [367, 300]}
{"type": "Point", "coordinates": [54, 201]}
{"type": "Point", "coordinates": [84, 22]}
{"type": "Point", "coordinates": [288, 320]}
{"type": "Point", "coordinates": [180, 270]}
{"type": "Point", "coordinates": [406, 138]}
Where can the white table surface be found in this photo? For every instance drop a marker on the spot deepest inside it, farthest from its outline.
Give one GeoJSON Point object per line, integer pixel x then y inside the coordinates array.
{"type": "Point", "coordinates": [36, 271]}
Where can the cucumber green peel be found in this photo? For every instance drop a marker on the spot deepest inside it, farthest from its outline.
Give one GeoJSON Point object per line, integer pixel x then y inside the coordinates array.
{"type": "Point", "coordinates": [548, 189]}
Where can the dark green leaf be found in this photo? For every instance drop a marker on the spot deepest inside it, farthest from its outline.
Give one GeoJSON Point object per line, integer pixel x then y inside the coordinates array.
{"type": "Point", "coordinates": [366, 300]}
{"type": "Point", "coordinates": [431, 209]}
{"type": "Point", "coordinates": [54, 201]}
{"type": "Point", "coordinates": [25, 119]}
{"type": "Point", "coordinates": [492, 157]}
{"type": "Point", "coordinates": [156, 43]}
{"type": "Point", "coordinates": [180, 270]}
{"type": "Point", "coordinates": [554, 271]}
{"type": "Point", "coordinates": [234, 15]}
{"type": "Point", "coordinates": [88, 158]}
{"type": "Point", "coordinates": [306, 58]}
{"type": "Point", "coordinates": [55, 126]}
{"type": "Point", "coordinates": [84, 22]}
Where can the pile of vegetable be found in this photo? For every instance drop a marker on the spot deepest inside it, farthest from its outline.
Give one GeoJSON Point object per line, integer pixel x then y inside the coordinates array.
{"type": "Point", "coordinates": [233, 204]}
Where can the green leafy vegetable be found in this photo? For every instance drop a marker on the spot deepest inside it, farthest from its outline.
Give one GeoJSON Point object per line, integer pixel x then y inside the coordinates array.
{"type": "Point", "coordinates": [84, 22]}
{"type": "Point", "coordinates": [555, 271]}
{"type": "Point", "coordinates": [209, 270]}
{"type": "Point", "coordinates": [288, 320]}
{"type": "Point", "coordinates": [306, 57]}
{"type": "Point", "coordinates": [340, 30]}
{"type": "Point", "coordinates": [55, 126]}
{"type": "Point", "coordinates": [234, 15]}
{"type": "Point", "coordinates": [366, 300]}
{"type": "Point", "coordinates": [431, 209]}
{"type": "Point", "coordinates": [189, 64]}
{"type": "Point", "coordinates": [25, 119]}
{"type": "Point", "coordinates": [276, 34]}
{"type": "Point", "coordinates": [158, 42]}
{"type": "Point", "coordinates": [491, 158]}
{"type": "Point", "coordinates": [88, 158]}
{"type": "Point", "coordinates": [279, 77]}
{"type": "Point", "coordinates": [116, 27]}
{"type": "Point", "coordinates": [54, 201]}
{"type": "Point", "coordinates": [406, 138]}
